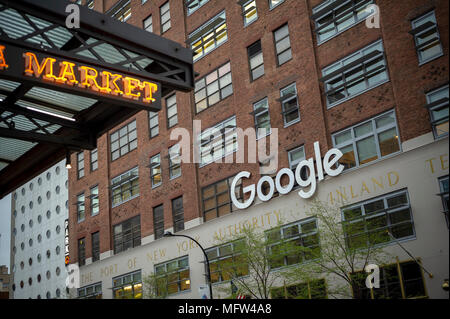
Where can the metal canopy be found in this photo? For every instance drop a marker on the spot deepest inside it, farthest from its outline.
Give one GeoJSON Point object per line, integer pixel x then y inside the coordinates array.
{"type": "Point", "coordinates": [41, 119]}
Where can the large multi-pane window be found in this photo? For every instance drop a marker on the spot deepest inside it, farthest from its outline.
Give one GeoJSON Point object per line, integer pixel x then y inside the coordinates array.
{"type": "Point", "coordinates": [94, 160]}
{"type": "Point", "coordinates": [369, 141]}
{"type": "Point", "coordinates": [80, 208]}
{"type": "Point", "coordinates": [155, 170]}
{"type": "Point", "coordinates": [80, 164]}
{"type": "Point", "coordinates": [437, 104]}
{"type": "Point", "coordinates": [153, 123]}
{"type": "Point", "coordinates": [128, 286]}
{"type": "Point", "coordinates": [178, 214]}
{"type": "Point", "coordinates": [274, 3]}
{"type": "Point", "coordinates": [173, 276]}
{"type": "Point", "coordinates": [209, 36]}
{"type": "Point", "coordinates": [91, 292]}
{"type": "Point", "coordinates": [313, 289]}
{"type": "Point", "coordinates": [175, 161]}
{"type": "Point", "coordinates": [303, 234]}
{"type": "Point", "coordinates": [403, 280]}
{"type": "Point", "coordinates": [332, 17]}
{"type": "Point", "coordinates": [95, 243]}
{"type": "Point", "coordinates": [164, 11]}
{"type": "Point", "coordinates": [443, 186]}
{"type": "Point", "coordinates": [148, 24]}
{"type": "Point", "coordinates": [289, 104]}
{"type": "Point", "coordinates": [158, 221]}
{"type": "Point", "coordinates": [256, 60]}
{"type": "Point", "coordinates": [193, 5]}
{"type": "Point", "coordinates": [127, 234]}
{"type": "Point", "coordinates": [125, 186]}
{"type": "Point", "coordinates": [94, 201]}
{"type": "Point", "coordinates": [123, 140]}
{"type": "Point", "coordinates": [172, 114]}
{"type": "Point", "coordinates": [213, 88]}
{"type": "Point", "coordinates": [355, 74]}
{"type": "Point", "coordinates": [282, 44]}
{"type": "Point", "coordinates": [122, 13]}
{"type": "Point", "coordinates": [81, 252]}
{"type": "Point", "coordinates": [216, 198]}
{"type": "Point", "coordinates": [262, 118]}
{"type": "Point", "coordinates": [426, 37]}
{"type": "Point", "coordinates": [372, 222]}
{"type": "Point", "coordinates": [218, 141]}
{"type": "Point", "coordinates": [249, 11]}
{"type": "Point", "coordinates": [226, 262]}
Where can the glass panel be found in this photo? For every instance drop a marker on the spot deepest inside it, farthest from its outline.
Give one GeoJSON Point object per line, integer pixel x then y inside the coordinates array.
{"type": "Point", "coordinates": [363, 129]}
{"type": "Point", "coordinates": [367, 150]}
{"type": "Point", "coordinates": [389, 142]}
{"type": "Point", "coordinates": [348, 158]}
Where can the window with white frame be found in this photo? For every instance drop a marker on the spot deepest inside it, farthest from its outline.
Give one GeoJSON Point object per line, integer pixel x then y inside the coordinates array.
{"type": "Point", "coordinates": [125, 186]}
{"type": "Point", "coordinates": [173, 276]}
{"type": "Point", "coordinates": [369, 141]}
{"type": "Point", "coordinates": [218, 141]}
{"type": "Point", "coordinates": [437, 105]}
{"type": "Point", "coordinates": [90, 4]}
{"type": "Point", "coordinates": [262, 118]}
{"type": "Point", "coordinates": [274, 3]}
{"type": "Point", "coordinates": [213, 88]}
{"type": "Point", "coordinates": [209, 36]}
{"type": "Point", "coordinates": [164, 11]}
{"type": "Point", "coordinates": [122, 13]}
{"type": "Point", "coordinates": [155, 170]}
{"type": "Point", "coordinates": [175, 161]}
{"type": "Point", "coordinates": [94, 201]}
{"type": "Point", "coordinates": [193, 5]}
{"type": "Point", "coordinates": [332, 17]}
{"type": "Point", "coordinates": [355, 74]}
{"type": "Point", "coordinates": [148, 24]}
{"type": "Point", "coordinates": [282, 44]}
{"type": "Point", "coordinates": [124, 140]}
{"type": "Point", "coordinates": [90, 292]}
{"type": "Point", "coordinates": [289, 104]}
{"type": "Point", "coordinates": [426, 38]}
{"type": "Point", "coordinates": [80, 164]}
{"type": "Point", "coordinates": [255, 60]}
{"type": "Point", "coordinates": [128, 286]}
{"type": "Point", "coordinates": [443, 185]}
{"type": "Point", "coordinates": [153, 123]}
{"type": "Point", "coordinates": [172, 114]}
{"type": "Point", "coordinates": [372, 222]}
{"type": "Point", "coordinates": [295, 156]}
{"type": "Point", "coordinates": [249, 11]}
{"type": "Point", "coordinates": [80, 208]}
{"type": "Point", "coordinates": [94, 160]}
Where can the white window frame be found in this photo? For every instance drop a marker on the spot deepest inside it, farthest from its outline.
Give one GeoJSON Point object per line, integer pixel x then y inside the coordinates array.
{"type": "Point", "coordinates": [289, 99]}
{"type": "Point", "coordinates": [164, 11]}
{"type": "Point", "coordinates": [434, 108]}
{"type": "Point", "coordinates": [152, 167]}
{"type": "Point", "coordinates": [249, 12]}
{"type": "Point", "coordinates": [272, 5]}
{"type": "Point", "coordinates": [258, 112]}
{"type": "Point", "coordinates": [198, 5]}
{"type": "Point", "coordinates": [416, 24]}
{"type": "Point", "coordinates": [276, 42]}
{"type": "Point", "coordinates": [148, 23]}
{"type": "Point", "coordinates": [174, 154]}
{"type": "Point", "coordinates": [171, 104]}
{"type": "Point", "coordinates": [152, 116]}
{"type": "Point", "coordinates": [125, 178]}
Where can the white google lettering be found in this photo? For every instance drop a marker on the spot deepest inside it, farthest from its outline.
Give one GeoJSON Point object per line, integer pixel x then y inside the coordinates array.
{"type": "Point", "coordinates": [327, 165]}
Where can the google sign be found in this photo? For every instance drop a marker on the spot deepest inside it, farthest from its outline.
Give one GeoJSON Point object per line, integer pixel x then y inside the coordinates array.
{"type": "Point", "coordinates": [326, 165]}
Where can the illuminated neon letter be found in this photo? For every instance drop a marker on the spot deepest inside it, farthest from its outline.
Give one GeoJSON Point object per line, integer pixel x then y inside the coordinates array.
{"type": "Point", "coordinates": [88, 78]}
{"type": "Point", "coordinates": [32, 66]}
{"type": "Point", "coordinates": [149, 88]}
{"type": "Point", "coordinates": [66, 74]}
{"type": "Point", "coordinates": [3, 64]}
{"type": "Point", "coordinates": [129, 85]}
{"type": "Point", "coordinates": [109, 83]}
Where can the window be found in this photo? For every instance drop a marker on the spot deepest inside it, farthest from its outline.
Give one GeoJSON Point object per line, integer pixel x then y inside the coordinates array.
{"type": "Point", "coordinates": [155, 167]}
{"type": "Point", "coordinates": [314, 289]}
{"type": "Point", "coordinates": [209, 36]}
{"type": "Point", "coordinates": [249, 11]}
{"type": "Point", "coordinates": [148, 24]}
{"type": "Point", "coordinates": [158, 221]}
{"type": "Point", "coordinates": [123, 140]}
{"type": "Point", "coordinates": [174, 161]}
{"type": "Point", "coordinates": [122, 13]}
{"type": "Point", "coordinates": [256, 61]}
{"type": "Point", "coordinates": [226, 261]}
{"type": "Point", "coordinates": [80, 208]}
{"type": "Point", "coordinates": [426, 38]}
{"type": "Point", "coordinates": [128, 286]}
{"type": "Point", "coordinates": [95, 246]}
{"type": "Point", "coordinates": [90, 4]}
{"type": "Point", "coordinates": [355, 74]}
{"type": "Point", "coordinates": [216, 198]}
{"type": "Point", "coordinates": [289, 105]}
{"type": "Point", "coordinates": [437, 104]}
{"type": "Point", "coordinates": [274, 3]}
{"type": "Point", "coordinates": [178, 214]}
{"type": "Point", "coordinates": [127, 234]}
{"type": "Point", "coordinates": [397, 281]}
{"type": "Point", "coordinates": [218, 141]}
{"type": "Point", "coordinates": [153, 123]}
{"type": "Point", "coordinates": [165, 17]}
{"type": "Point", "coordinates": [80, 166]}
{"type": "Point", "coordinates": [172, 116]}
{"type": "Point", "coordinates": [262, 118]}
{"type": "Point", "coordinates": [193, 5]}
{"type": "Point", "coordinates": [94, 201]}
{"type": "Point", "coordinates": [81, 252]}
{"type": "Point", "coordinates": [366, 223]}
{"type": "Point", "coordinates": [332, 17]}
{"type": "Point", "coordinates": [295, 156]}
{"type": "Point", "coordinates": [443, 185]}
{"type": "Point", "coordinates": [303, 234]}
{"type": "Point", "coordinates": [94, 160]}
{"type": "Point", "coordinates": [282, 44]}
{"type": "Point", "coordinates": [213, 88]}
{"type": "Point", "coordinates": [369, 141]}
{"type": "Point", "coordinates": [90, 292]}
{"type": "Point", "coordinates": [173, 276]}
{"type": "Point", "coordinates": [125, 187]}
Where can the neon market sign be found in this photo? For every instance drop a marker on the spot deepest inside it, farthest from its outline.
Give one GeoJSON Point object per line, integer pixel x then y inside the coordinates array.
{"type": "Point", "coordinates": [327, 165]}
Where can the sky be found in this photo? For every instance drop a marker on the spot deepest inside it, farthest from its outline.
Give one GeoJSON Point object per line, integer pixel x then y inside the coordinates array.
{"type": "Point", "coordinates": [5, 230]}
